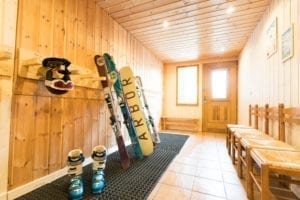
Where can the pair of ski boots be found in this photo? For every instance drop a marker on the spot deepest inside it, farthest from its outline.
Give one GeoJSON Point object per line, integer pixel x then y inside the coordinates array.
{"type": "Point", "coordinates": [75, 160]}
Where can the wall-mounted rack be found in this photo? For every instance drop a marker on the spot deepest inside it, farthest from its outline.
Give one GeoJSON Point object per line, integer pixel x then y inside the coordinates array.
{"type": "Point", "coordinates": [6, 60]}
{"type": "Point", "coordinates": [30, 66]}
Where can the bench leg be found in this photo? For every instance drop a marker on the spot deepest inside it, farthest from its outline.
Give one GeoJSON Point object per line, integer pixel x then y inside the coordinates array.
{"type": "Point", "coordinates": [264, 182]}
{"type": "Point", "coordinates": [249, 181]}
{"type": "Point", "coordinates": [228, 142]}
{"type": "Point", "coordinates": [233, 149]}
{"type": "Point", "coordinates": [239, 161]}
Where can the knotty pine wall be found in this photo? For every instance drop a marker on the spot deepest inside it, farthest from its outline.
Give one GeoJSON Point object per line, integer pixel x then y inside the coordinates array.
{"type": "Point", "coordinates": [8, 10]}
{"type": "Point", "coordinates": [45, 127]}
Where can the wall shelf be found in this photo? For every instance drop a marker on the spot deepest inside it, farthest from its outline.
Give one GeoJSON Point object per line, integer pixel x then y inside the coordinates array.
{"type": "Point", "coordinates": [30, 66]}
{"type": "Point", "coordinates": [6, 60]}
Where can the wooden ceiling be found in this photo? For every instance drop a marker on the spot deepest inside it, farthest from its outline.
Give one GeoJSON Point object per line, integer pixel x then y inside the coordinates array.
{"type": "Point", "coordinates": [197, 29]}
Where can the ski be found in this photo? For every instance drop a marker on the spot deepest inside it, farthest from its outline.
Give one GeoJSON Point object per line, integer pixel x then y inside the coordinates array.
{"type": "Point", "coordinates": [150, 119]}
{"type": "Point", "coordinates": [116, 80]}
{"type": "Point", "coordinates": [136, 110]}
{"type": "Point", "coordinates": [115, 122]}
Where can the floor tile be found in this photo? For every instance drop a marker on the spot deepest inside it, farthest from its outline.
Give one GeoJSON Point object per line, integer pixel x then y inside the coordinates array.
{"type": "Point", "coordinates": [208, 186]}
{"type": "Point", "coordinates": [201, 196]}
{"type": "Point", "coordinates": [186, 160]}
{"type": "Point", "coordinates": [183, 168]}
{"type": "Point", "coordinates": [178, 180]}
{"type": "Point", "coordinates": [209, 174]}
{"type": "Point", "coordinates": [209, 164]}
{"type": "Point", "coordinates": [234, 192]}
{"type": "Point", "coordinates": [227, 167]}
{"type": "Point", "coordinates": [168, 192]}
{"type": "Point", "coordinates": [202, 170]}
{"type": "Point", "coordinates": [231, 177]}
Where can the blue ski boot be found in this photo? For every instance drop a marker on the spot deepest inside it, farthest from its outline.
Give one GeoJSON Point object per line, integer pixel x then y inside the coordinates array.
{"type": "Point", "coordinates": [98, 180]}
{"type": "Point", "coordinates": [75, 160]}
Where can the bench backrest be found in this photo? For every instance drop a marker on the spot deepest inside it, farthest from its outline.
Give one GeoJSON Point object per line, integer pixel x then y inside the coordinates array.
{"type": "Point", "coordinates": [287, 116]}
{"type": "Point", "coordinates": [253, 112]}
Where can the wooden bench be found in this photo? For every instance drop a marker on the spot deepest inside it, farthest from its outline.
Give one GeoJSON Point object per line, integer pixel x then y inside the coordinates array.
{"type": "Point", "coordinates": [253, 113]}
{"type": "Point", "coordinates": [282, 161]}
{"type": "Point", "coordinates": [270, 155]}
{"type": "Point", "coordinates": [183, 124]}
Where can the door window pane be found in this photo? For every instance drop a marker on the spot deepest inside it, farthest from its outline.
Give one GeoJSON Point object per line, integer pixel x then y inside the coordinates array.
{"type": "Point", "coordinates": [219, 84]}
{"type": "Point", "coordinates": [187, 85]}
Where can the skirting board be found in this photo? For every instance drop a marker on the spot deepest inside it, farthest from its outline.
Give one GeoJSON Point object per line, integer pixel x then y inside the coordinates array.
{"type": "Point", "coordinates": [19, 191]}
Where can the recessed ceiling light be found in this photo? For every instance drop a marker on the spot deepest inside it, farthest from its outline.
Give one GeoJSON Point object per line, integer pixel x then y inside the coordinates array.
{"type": "Point", "coordinates": [165, 24]}
{"type": "Point", "coordinates": [230, 10]}
{"type": "Point", "coordinates": [222, 49]}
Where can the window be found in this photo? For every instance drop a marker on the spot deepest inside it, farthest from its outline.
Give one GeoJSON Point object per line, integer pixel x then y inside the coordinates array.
{"type": "Point", "coordinates": [187, 85]}
{"type": "Point", "coordinates": [219, 84]}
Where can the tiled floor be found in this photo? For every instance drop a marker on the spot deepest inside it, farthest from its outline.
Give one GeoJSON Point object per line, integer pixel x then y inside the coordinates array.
{"type": "Point", "coordinates": [202, 170]}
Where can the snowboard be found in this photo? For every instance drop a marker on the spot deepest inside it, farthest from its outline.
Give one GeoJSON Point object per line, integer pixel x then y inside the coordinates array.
{"type": "Point", "coordinates": [116, 81]}
{"type": "Point", "coordinates": [136, 110]}
{"type": "Point", "coordinates": [150, 119]}
{"type": "Point", "coordinates": [114, 121]}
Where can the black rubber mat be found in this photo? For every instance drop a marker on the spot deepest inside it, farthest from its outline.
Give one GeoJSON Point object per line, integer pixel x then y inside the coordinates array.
{"type": "Point", "coordinates": [135, 183]}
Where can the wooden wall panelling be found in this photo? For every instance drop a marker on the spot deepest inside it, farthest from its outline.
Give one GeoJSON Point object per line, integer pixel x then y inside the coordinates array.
{"type": "Point", "coordinates": [81, 33]}
{"type": "Point", "coordinates": [102, 124]}
{"type": "Point", "coordinates": [135, 55]}
{"type": "Point", "coordinates": [21, 162]}
{"type": "Point", "coordinates": [8, 10]}
{"type": "Point", "coordinates": [128, 49]}
{"type": "Point", "coordinates": [30, 35]}
{"type": "Point", "coordinates": [122, 41]}
{"type": "Point", "coordinates": [141, 60]}
{"type": "Point", "coordinates": [105, 47]}
{"type": "Point", "coordinates": [280, 65]}
{"type": "Point", "coordinates": [132, 52]}
{"type": "Point", "coordinates": [90, 34]}
{"type": "Point", "coordinates": [295, 62]}
{"type": "Point", "coordinates": [58, 40]}
{"type": "Point", "coordinates": [6, 60]}
{"type": "Point", "coordinates": [95, 123]}
{"type": "Point", "coordinates": [78, 119]}
{"type": "Point", "coordinates": [287, 64]}
{"type": "Point", "coordinates": [41, 136]}
{"type": "Point", "coordinates": [71, 29]}
{"type": "Point", "coordinates": [1, 22]}
{"type": "Point", "coordinates": [53, 124]}
{"type": "Point", "coordinates": [68, 128]}
{"type": "Point", "coordinates": [87, 127]}
{"type": "Point", "coordinates": [110, 35]}
{"type": "Point", "coordinates": [297, 41]}
{"type": "Point", "coordinates": [98, 30]}
{"type": "Point", "coordinates": [125, 47]}
{"type": "Point", "coordinates": [122, 45]}
{"type": "Point", "coordinates": [46, 27]}
{"type": "Point", "coordinates": [55, 132]}
{"type": "Point", "coordinates": [108, 130]}
{"type": "Point", "coordinates": [115, 44]}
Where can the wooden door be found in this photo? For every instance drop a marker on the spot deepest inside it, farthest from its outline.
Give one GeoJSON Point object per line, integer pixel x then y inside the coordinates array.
{"type": "Point", "coordinates": [219, 96]}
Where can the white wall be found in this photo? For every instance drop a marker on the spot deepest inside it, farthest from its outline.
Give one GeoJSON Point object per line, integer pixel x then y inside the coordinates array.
{"type": "Point", "coordinates": [270, 80]}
